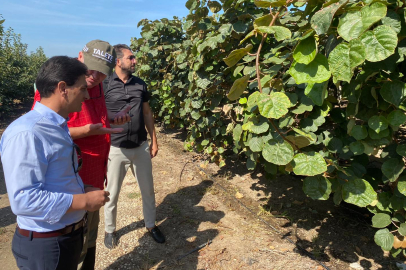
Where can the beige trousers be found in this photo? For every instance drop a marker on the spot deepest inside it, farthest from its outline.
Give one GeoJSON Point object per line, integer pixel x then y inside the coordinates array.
{"type": "Point", "coordinates": [139, 160]}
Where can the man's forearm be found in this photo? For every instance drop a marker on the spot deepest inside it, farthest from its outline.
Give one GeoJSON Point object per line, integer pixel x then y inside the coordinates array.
{"type": "Point", "coordinates": [78, 203]}
{"type": "Point", "coordinates": [149, 124]}
{"type": "Point", "coordinates": [78, 132]}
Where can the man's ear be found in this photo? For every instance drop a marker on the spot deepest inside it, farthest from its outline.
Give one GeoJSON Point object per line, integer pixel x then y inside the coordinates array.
{"type": "Point", "coordinates": [80, 57]}
{"type": "Point", "coordinates": [61, 88]}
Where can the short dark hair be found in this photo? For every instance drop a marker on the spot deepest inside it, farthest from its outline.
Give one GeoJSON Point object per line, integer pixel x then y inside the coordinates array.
{"type": "Point", "coordinates": [57, 69]}
{"type": "Point", "coordinates": [119, 49]}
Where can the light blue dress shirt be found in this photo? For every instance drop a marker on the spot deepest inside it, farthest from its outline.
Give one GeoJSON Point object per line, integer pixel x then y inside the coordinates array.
{"type": "Point", "coordinates": [36, 151]}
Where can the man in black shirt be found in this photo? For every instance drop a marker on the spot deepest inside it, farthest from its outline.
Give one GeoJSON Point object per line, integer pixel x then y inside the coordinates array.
{"type": "Point", "coordinates": [130, 148]}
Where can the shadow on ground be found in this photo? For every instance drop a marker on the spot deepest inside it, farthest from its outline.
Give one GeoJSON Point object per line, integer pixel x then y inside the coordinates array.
{"type": "Point", "coordinates": [182, 218]}
{"type": "Point", "coordinates": [331, 233]}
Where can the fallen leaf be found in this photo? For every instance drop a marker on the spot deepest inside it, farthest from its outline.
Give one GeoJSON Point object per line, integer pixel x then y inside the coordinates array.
{"type": "Point", "coordinates": [203, 165]}
{"type": "Point", "coordinates": [271, 247]}
{"type": "Point", "coordinates": [358, 250]}
{"type": "Point", "coordinates": [202, 173]}
{"type": "Point", "coordinates": [238, 195]}
{"type": "Point", "coordinates": [297, 202]}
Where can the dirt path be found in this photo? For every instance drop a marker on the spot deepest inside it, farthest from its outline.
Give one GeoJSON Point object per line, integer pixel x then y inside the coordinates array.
{"type": "Point", "coordinates": [192, 209]}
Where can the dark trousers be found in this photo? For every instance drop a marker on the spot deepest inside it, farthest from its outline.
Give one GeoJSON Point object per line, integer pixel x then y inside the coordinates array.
{"type": "Point", "coordinates": [61, 252]}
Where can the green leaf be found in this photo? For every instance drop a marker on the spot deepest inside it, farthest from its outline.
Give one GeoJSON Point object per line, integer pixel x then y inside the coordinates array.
{"type": "Point", "coordinates": [236, 55]}
{"type": "Point", "coordinates": [379, 43]}
{"type": "Point", "coordinates": [316, 71]}
{"type": "Point", "coordinates": [357, 148]}
{"type": "Point", "coordinates": [353, 24]}
{"type": "Point", "coordinates": [381, 220]}
{"type": "Point", "coordinates": [205, 142]}
{"type": "Point", "coordinates": [321, 20]}
{"type": "Point", "coordinates": [402, 229]}
{"type": "Point", "coordinates": [317, 92]}
{"type": "Point", "coordinates": [309, 164]}
{"type": "Point", "coordinates": [393, 92]}
{"type": "Point", "coordinates": [317, 187]}
{"type": "Point", "coordinates": [396, 118]}
{"type": "Point", "coordinates": [358, 192]}
{"type": "Point", "coordinates": [392, 20]}
{"type": "Point", "coordinates": [274, 105]}
{"type": "Point", "coordinates": [305, 51]}
{"type": "Point", "coordinates": [359, 132]}
{"type": "Point", "coordinates": [253, 100]}
{"type": "Point", "coordinates": [401, 150]}
{"type": "Point", "coordinates": [240, 27]}
{"type": "Point", "coordinates": [345, 58]}
{"type": "Point", "coordinates": [298, 141]}
{"type": "Point", "coordinates": [392, 168]}
{"type": "Point", "coordinates": [214, 6]}
{"type": "Point", "coordinates": [259, 128]}
{"type": "Point", "coordinates": [197, 104]}
{"type": "Point", "coordinates": [378, 123]}
{"type": "Point", "coordinates": [269, 3]}
{"type": "Point", "coordinates": [238, 88]}
{"type": "Point", "coordinates": [384, 239]}
{"type": "Point", "coordinates": [279, 153]}
{"type": "Point", "coordinates": [195, 115]}
{"type": "Point", "coordinates": [263, 21]}
{"type": "Point", "coordinates": [237, 131]}
{"type": "Point", "coordinates": [280, 32]}
{"type": "Point", "coordinates": [256, 144]}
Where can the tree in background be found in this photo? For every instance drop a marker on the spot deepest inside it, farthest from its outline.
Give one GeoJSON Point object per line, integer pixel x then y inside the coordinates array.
{"type": "Point", "coordinates": [18, 69]}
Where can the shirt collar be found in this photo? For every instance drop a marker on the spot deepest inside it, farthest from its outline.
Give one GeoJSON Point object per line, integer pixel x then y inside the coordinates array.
{"type": "Point", "coordinates": [49, 114]}
{"type": "Point", "coordinates": [115, 77]}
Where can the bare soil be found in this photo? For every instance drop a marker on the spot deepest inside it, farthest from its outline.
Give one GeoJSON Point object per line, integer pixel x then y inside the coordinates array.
{"type": "Point", "coordinates": [224, 206]}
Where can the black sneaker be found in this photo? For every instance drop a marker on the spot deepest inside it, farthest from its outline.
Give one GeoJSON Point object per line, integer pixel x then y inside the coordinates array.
{"type": "Point", "coordinates": [157, 235]}
{"type": "Point", "coordinates": [110, 240]}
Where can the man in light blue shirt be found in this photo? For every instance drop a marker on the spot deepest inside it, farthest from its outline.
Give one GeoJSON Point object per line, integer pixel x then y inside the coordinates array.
{"type": "Point", "coordinates": [40, 163]}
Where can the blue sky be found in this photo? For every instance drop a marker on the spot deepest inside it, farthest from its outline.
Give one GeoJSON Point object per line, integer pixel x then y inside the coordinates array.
{"type": "Point", "coordinates": [63, 27]}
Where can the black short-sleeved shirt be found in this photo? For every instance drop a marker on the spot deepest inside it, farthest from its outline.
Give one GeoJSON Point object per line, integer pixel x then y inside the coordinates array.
{"type": "Point", "coordinates": [118, 96]}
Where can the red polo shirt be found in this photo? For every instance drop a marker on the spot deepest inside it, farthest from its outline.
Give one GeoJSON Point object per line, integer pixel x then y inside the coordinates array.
{"type": "Point", "coordinates": [95, 149]}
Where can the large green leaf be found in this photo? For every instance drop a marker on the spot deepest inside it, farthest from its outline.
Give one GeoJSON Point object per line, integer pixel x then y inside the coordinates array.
{"type": "Point", "coordinates": [359, 132]}
{"type": "Point", "coordinates": [392, 168]}
{"type": "Point", "coordinates": [269, 3]}
{"type": "Point", "coordinates": [256, 144]}
{"type": "Point", "coordinates": [317, 187]}
{"type": "Point", "coordinates": [381, 220]}
{"type": "Point", "coordinates": [321, 20]}
{"type": "Point", "coordinates": [384, 239]}
{"type": "Point", "coordinates": [353, 24]}
{"type": "Point", "coordinates": [396, 118]}
{"type": "Point", "coordinates": [279, 153]}
{"type": "Point", "coordinates": [263, 21]}
{"type": "Point", "coordinates": [236, 55]}
{"type": "Point", "coordinates": [280, 32]}
{"type": "Point", "coordinates": [274, 105]}
{"type": "Point", "coordinates": [238, 88]}
{"type": "Point", "coordinates": [379, 43]}
{"type": "Point", "coordinates": [317, 92]}
{"type": "Point", "coordinates": [305, 51]}
{"type": "Point", "coordinates": [344, 58]}
{"type": "Point", "coordinates": [316, 71]}
{"type": "Point", "coordinates": [392, 19]}
{"type": "Point", "coordinates": [393, 92]}
{"type": "Point", "coordinates": [401, 149]}
{"type": "Point", "coordinates": [358, 192]}
{"type": "Point", "coordinates": [378, 123]}
{"type": "Point", "coordinates": [309, 164]}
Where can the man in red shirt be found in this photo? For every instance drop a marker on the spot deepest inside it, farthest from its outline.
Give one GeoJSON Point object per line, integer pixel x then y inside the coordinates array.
{"type": "Point", "coordinates": [90, 130]}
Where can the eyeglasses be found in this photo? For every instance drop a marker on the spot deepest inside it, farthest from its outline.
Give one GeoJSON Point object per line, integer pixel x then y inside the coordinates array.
{"type": "Point", "coordinates": [100, 93]}
{"type": "Point", "coordinates": [76, 150]}
{"type": "Point", "coordinates": [132, 57]}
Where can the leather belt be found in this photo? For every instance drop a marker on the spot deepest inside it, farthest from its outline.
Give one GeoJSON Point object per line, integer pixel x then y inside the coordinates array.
{"type": "Point", "coordinates": [63, 231]}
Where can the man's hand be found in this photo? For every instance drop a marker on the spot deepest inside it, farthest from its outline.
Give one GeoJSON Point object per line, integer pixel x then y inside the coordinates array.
{"type": "Point", "coordinates": [96, 199]}
{"type": "Point", "coordinates": [121, 117]}
{"type": "Point", "coordinates": [89, 189]}
{"type": "Point", "coordinates": [153, 149]}
{"type": "Point", "coordinates": [98, 129]}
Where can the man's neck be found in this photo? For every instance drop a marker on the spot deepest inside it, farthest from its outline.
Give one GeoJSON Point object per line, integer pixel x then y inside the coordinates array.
{"type": "Point", "coordinates": [124, 76]}
{"type": "Point", "coordinates": [50, 103]}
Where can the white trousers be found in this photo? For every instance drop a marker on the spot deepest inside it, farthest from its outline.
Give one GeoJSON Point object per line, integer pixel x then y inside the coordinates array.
{"type": "Point", "coordinates": [139, 160]}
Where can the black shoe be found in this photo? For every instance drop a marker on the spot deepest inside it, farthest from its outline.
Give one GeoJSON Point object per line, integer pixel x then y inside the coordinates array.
{"type": "Point", "coordinates": [157, 235]}
{"type": "Point", "coordinates": [110, 240]}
